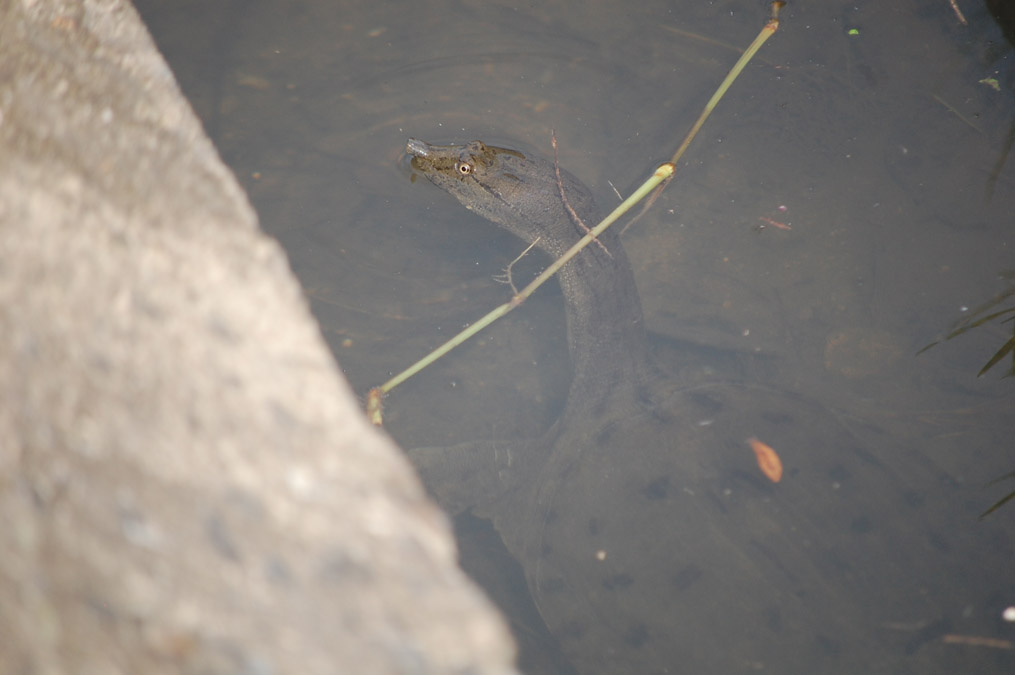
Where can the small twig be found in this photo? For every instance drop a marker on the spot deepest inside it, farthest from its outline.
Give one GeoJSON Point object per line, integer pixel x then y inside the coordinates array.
{"type": "Point", "coordinates": [958, 12]}
{"type": "Point", "coordinates": [506, 277]}
{"type": "Point", "coordinates": [775, 223]}
{"type": "Point", "coordinates": [615, 190]}
{"type": "Point", "coordinates": [955, 112]}
{"type": "Point", "coordinates": [977, 641]}
{"type": "Point", "coordinates": [567, 205]}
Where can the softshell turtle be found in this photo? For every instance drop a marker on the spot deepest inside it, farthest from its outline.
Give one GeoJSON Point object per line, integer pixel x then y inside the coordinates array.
{"type": "Point", "coordinates": [650, 540]}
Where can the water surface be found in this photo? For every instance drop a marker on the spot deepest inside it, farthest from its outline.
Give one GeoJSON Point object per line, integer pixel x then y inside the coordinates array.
{"type": "Point", "coordinates": [872, 133]}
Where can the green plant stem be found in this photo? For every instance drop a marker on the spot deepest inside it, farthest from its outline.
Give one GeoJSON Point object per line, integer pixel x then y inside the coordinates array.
{"type": "Point", "coordinates": [657, 182]}
{"type": "Point", "coordinates": [662, 173]}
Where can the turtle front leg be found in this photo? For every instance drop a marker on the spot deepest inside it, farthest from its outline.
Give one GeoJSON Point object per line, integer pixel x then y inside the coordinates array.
{"type": "Point", "coordinates": [471, 474]}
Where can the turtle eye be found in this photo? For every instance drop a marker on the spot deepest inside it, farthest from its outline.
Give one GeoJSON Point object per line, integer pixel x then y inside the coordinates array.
{"type": "Point", "coordinates": [463, 168]}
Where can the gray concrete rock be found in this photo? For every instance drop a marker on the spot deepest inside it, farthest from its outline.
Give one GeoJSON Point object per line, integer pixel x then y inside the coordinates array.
{"type": "Point", "coordinates": [186, 485]}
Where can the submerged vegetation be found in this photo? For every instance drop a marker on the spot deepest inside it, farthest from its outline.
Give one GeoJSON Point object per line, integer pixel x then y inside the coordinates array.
{"type": "Point", "coordinates": [1001, 502]}
{"type": "Point", "coordinates": [1000, 308]}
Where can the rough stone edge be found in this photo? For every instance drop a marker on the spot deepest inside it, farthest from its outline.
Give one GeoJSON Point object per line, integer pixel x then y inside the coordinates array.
{"type": "Point", "coordinates": [189, 485]}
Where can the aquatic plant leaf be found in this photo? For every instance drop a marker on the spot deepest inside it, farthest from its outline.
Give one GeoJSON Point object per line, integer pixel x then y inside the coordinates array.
{"type": "Point", "coordinates": [1001, 353]}
{"type": "Point", "coordinates": [1001, 478]}
{"type": "Point", "coordinates": [1004, 500]}
{"type": "Point", "coordinates": [980, 316]}
{"type": "Point", "coordinates": [980, 321]}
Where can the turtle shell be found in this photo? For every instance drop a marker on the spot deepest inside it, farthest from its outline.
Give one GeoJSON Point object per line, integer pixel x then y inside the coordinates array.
{"type": "Point", "coordinates": [652, 542]}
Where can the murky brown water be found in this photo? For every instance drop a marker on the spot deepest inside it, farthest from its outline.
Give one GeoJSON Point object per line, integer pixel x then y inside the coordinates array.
{"type": "Point", "coordinates": [877, 149]}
